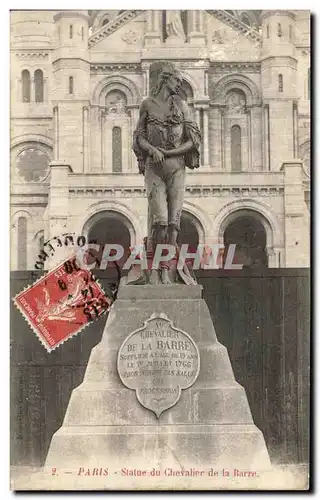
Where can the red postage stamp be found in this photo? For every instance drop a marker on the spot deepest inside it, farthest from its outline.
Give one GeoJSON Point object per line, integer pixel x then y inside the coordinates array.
{"type": "Point", "coordinates": [61, 303]}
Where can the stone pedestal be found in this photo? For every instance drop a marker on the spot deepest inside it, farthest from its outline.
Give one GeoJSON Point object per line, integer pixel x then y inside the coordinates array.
{"type": "Point", "coordinates": [209, 426]}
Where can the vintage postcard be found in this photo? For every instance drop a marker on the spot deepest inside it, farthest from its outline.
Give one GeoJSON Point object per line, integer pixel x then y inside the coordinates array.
{"type": "Point", "coordinates": [160, 249]}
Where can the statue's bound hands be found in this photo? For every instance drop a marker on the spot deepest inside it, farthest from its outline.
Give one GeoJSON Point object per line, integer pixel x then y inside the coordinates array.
{"type": "Point", "coordinates": [163, 151]}
{"type": "Point", "coordinates": [178, 151]}
{"type": "Point", "coordinates": [168, 152]}
{"type": "Point", "coordinates": [157, 156]}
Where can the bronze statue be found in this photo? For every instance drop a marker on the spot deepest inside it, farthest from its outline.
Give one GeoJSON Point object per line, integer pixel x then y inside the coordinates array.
{"type": "Point", "coordinates": [166, 141]}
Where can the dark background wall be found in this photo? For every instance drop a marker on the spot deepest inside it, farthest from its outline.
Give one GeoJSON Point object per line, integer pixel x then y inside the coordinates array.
{"type": "Point", "coordinates": [261, 317]}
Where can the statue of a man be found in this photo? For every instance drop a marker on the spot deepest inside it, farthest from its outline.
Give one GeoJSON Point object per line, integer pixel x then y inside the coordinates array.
{"type": "Point", "coordinates": [166, 141]}
{"type": "Point", "coordinates": [174, 26]}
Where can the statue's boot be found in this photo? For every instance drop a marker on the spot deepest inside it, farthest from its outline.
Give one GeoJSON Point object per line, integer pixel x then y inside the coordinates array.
{"type": "Point", "coordinates": [140, 280]}
{"type": "Point", "coordinates": [164, 276]}
{"type": "Point", "coordinates": [154, 277]}
{"type": "Point", "coordinates": [186, 276]}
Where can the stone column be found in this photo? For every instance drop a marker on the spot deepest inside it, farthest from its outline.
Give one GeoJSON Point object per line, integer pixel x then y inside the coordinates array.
{"type": "Point", "coordinates": [192, 20]}
{"type": "Point", "coordinates": [95, 138]}
{"type": "Point", "coordinates": [129, 139]}
{"type": "Point", "coordinates": [249, 128]}
{"type": "Point", "coordinates": [149, 21]}
{"type": "Point", "coordinates": [156, 21]}
{"type": "Point", "coordinates": [205, 137]}
{"type": "Point", "coordinates": [86, 155]}
{"type": "Point", "coordinates": [206, 83]}
{"type": "Point", "coordinates": [273, 257]}
{"type": "Point", "coordinates": [279, 251]}
{"type": "Point", "coordinates": [32, 90]}
{"type": "Point", "coordinates": [134, 123]}
{"type": "Point", "coordinates": [197, 34]}
{"type": "Point", "coordinates": [145, 73]}
{"type": "Point", "coordinates": [197, 117]}
{"type": "Point", "coordinates": [257, 147]}
{"type": "Point", "coordinates": [223, 140]}
{"type": "Point", "coordinates": [297, 220]}
{"type": "Point", "coordinates": [153, 34]}
{"type": "Point", "coordinates": [215, 137]}
{"type": "Point", "coordinates": [102, 132]}
{"type": "Point", "coordinates": [295, 130]}
{"type": "Point", "coordinates": [56, 132]}
{"type": "Point", "coordinates": [126, 153]}
{"type": "Point", "coordinates": [266, 141]}
{"type": "Point", "coordinates": [45, 90]}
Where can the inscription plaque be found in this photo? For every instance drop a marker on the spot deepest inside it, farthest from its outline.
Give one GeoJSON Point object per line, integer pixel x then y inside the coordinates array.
{"type": "Point", "coordinates": [157, 361]}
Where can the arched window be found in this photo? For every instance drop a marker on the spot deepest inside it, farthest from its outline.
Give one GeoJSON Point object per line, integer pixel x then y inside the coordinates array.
{"type": "Point", "coordinates": [105, 21]}
{"type": "Point", "coordinates": [249, 236]}
{"type": "Point", "coordinates": [70, 84]}
{"type": "Point", "coordinates": [279, 30]}
{"type": "Point", "coordinates": [116, 149]}
{"type": "Point", "coordinates": [268, 31]}
{"type": "Point", "coordinates": [70, 31]}
{"type": "Point", "coordinates": [25, 76]}
{"type": "Point", "coordinates": [82, 33]}
{"type": "Point", "coordinates": [235, 148]}
{"type": "Point", "coordinates": [309, 84]}
{"type": "Point", "coordinates": [280, 83]}
{"type": "Point", "coordinates": [22, 243]}
{"type": "Point", "coordinates": [38, 85]}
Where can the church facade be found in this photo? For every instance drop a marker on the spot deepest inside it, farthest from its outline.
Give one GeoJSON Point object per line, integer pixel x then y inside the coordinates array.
{"type": "Point", "coordinates": [77, 82]}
